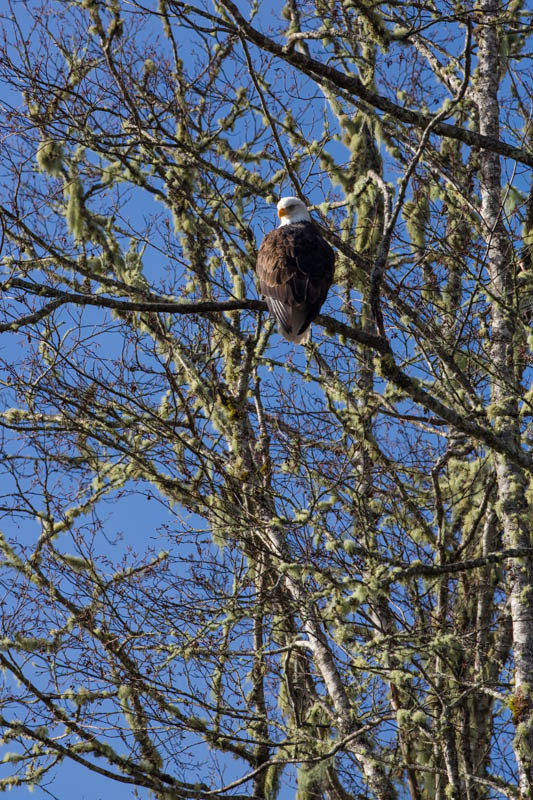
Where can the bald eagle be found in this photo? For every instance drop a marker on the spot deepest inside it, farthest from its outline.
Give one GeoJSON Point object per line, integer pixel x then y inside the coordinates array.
{"type": "Point", "coordinates": [295, 267]}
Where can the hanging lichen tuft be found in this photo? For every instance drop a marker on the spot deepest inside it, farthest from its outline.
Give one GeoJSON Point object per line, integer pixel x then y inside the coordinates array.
{"type": "Point", "coordinates": [272, 781]}
{"type": "Point", "coordinates": [416, 214]}
{"type": "Point", "coordinates": [311, 779]}
{"type": "Point", "coordinates": [74, 209]}
{"type": "Point", "coordinates": [49, 158]}
{"type": "Point", "coordinates": [133, 267]}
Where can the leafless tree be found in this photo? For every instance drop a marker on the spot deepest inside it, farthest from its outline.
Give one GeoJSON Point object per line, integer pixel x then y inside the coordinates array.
{"type": "Point", "coordinates": [336, 591]}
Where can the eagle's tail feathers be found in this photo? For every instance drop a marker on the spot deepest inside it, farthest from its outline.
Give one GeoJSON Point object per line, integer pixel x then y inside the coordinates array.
{"type": "Point", "coordinates": [297, 338]}
{"type": "Point", "coordinates": [292, 320]}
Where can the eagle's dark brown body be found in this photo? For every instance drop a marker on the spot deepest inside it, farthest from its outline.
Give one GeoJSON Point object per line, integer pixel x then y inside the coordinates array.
{"type": "Point", "coordinates": [295, 267]}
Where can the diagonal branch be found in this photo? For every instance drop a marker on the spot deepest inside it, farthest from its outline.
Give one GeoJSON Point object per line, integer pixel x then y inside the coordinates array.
{"type": "Point", "coordinates": [390, 369]}
{"type": "Point", "coordinates": [323, 72]}
{"type": "Point", "coordinates": [31, 319]}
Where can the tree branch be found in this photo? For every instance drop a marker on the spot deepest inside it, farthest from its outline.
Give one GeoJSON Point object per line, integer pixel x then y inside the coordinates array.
{"type": "Point", "coordinates": [322, 71]}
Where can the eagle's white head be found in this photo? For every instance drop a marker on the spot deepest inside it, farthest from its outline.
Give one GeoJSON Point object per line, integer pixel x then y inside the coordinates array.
{"type": "Point", "coordinates": [292, 209]}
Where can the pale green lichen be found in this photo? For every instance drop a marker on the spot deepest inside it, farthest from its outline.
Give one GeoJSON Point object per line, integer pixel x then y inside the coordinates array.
{"type": "Point", "coordinates": [49, 158]}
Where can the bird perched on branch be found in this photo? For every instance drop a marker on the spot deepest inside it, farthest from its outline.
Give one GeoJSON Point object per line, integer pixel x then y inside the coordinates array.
{"type": "Point", "coordinates": [295, 267]}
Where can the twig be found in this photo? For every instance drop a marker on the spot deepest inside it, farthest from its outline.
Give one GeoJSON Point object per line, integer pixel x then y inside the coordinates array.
{"type": "Point", "coordinates": [378, 271]}
{"type": "Point", "coordinates": [288, 166]}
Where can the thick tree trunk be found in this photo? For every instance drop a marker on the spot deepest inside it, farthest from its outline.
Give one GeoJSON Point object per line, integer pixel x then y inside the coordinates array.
{"type": "Point", "coordinates": [505, 394]}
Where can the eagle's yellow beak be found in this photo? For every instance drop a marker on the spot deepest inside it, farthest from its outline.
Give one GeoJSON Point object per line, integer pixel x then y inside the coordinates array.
{"type": "Point", "coordinates": [282, 212]}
